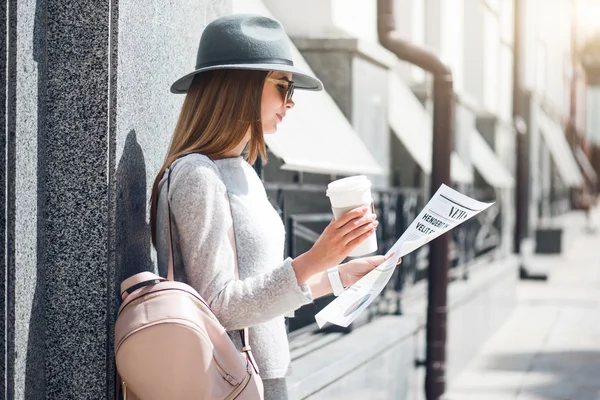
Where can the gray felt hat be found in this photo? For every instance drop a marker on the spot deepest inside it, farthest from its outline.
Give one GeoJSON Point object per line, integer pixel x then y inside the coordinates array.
{"type": "Point", "coordinates": [246, 41]}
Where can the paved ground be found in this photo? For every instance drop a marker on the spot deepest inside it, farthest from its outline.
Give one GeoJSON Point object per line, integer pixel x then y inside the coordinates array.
{"type": "Point", "coordinates": [550, 346]}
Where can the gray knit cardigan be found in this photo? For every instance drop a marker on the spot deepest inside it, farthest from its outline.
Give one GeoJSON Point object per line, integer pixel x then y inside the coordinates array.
{"type": "Point", "coordinates": [202, 219]}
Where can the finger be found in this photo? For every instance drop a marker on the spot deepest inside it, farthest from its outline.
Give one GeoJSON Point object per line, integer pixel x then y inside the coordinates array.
{"type": "Point", "coordinates": [375, 261]}
{"type": "Point", "coordinates": [390, 256]}
{"type": "Point", "coordinates": [399, 261]}
{"type": "Point", "coordinates": [350, 215]}
{"type": "Point", "coordinates": [354, 233]}
{"type": "Point", "coordinates": [357, 223]}
{"type": "Point", "coordinates": [359, 237]}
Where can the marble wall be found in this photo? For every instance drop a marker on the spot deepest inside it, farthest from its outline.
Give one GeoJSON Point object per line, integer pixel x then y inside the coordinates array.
{"type": "Point", "coordinates": [89, 116]}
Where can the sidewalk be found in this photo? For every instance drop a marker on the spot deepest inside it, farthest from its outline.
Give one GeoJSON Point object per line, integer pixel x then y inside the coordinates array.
{"type": "Point", "coordinates": [550, 346]}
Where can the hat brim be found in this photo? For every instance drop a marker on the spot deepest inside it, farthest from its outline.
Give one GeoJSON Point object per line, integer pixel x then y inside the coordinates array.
{"type": "Point", "coordinates": [301, 80]}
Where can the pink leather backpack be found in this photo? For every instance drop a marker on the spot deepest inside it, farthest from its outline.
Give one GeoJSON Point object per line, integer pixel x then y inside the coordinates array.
{"type": "Point", "coordinates": [169, 344]}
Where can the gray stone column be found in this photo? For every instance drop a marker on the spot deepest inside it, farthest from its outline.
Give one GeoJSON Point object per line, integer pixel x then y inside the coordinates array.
{"type": "Point", "coordinates": [23, 295]}
{"type": "Point", "coordinates": [75, 150]}
{"type": "Point", "coordinates": [4, 71]}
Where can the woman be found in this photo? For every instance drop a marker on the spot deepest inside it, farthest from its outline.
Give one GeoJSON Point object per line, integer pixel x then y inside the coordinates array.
{"type": "Point", "coordinates": [242, 89]}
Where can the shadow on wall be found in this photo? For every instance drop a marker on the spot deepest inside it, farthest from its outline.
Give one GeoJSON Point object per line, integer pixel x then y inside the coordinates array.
{"type": "Point", "coordinates": [132, 233]}
{"type": "Point", "coordinates": [133, 241]}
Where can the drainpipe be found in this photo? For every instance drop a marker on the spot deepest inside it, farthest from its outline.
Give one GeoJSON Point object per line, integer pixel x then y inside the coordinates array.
{"type": "Point", "coordinates": [577, 199]}
{"type": "Point", "coordinates": [443, 136]}
{"type": "Point", "coordinates": [522, 192]}
{"type": "Point", "coordinates": [571, 131]}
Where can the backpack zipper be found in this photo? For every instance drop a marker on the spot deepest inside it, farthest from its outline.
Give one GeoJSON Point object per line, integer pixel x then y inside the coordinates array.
{"type": "Point", "coordinates": [232, 381]}
{"type": "Point", "coordinates": [238, 390]}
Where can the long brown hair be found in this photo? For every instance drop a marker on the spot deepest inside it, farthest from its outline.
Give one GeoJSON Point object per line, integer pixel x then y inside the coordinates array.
{"type": "Point", "coordinates": [219, 108]}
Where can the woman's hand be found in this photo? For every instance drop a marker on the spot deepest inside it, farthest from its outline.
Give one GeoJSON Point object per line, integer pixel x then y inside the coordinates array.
{"type": "Point", "coordinates": [352, 271]}
{"type": "Point", "coordinates": [340, 237]}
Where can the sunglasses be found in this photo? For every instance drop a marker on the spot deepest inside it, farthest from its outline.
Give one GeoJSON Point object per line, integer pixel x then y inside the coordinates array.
{"type": "Point", "coordinates": [284, 85]}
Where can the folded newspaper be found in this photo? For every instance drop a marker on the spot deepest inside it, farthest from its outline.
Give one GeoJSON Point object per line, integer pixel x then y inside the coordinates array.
{"type": "Point", "coordinates": [446, 209]}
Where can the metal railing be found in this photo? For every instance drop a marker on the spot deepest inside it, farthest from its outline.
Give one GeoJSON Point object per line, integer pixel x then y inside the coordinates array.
{"type": "Point", "coordinates": [396, 208]}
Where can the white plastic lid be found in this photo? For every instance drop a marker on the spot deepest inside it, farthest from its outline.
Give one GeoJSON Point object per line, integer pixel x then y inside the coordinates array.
{"type": "Point", "coordinates": [352, 183]}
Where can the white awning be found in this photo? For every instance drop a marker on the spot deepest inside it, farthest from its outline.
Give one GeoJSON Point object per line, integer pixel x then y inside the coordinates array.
{"type": "Point", "coordinates": [585, 164]}
{"type": "Point", "coordinates": [315, 136]}
{"type": "Point", "coordinates": [413, 126]}
{"type": "Point", "coordinates": [560, 150]}
{"type": "Point", "coordinates": [488, 164]}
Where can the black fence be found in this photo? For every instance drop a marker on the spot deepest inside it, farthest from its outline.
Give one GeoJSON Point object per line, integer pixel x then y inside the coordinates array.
{"type": "Point", "coordinates": [396, 208]}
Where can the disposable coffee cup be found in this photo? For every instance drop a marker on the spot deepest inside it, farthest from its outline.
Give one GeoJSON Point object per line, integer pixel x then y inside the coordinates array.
{"type": "Point", "coordinates": [346, 194]}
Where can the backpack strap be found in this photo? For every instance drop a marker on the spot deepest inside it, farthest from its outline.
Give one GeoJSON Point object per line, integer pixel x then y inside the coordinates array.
{"type": "Point", "coordinates": [244, 335]}
{"type": "Point", "coordinates": [137, 281]}
{"type": "Point", "coordinates": [171, 269]}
